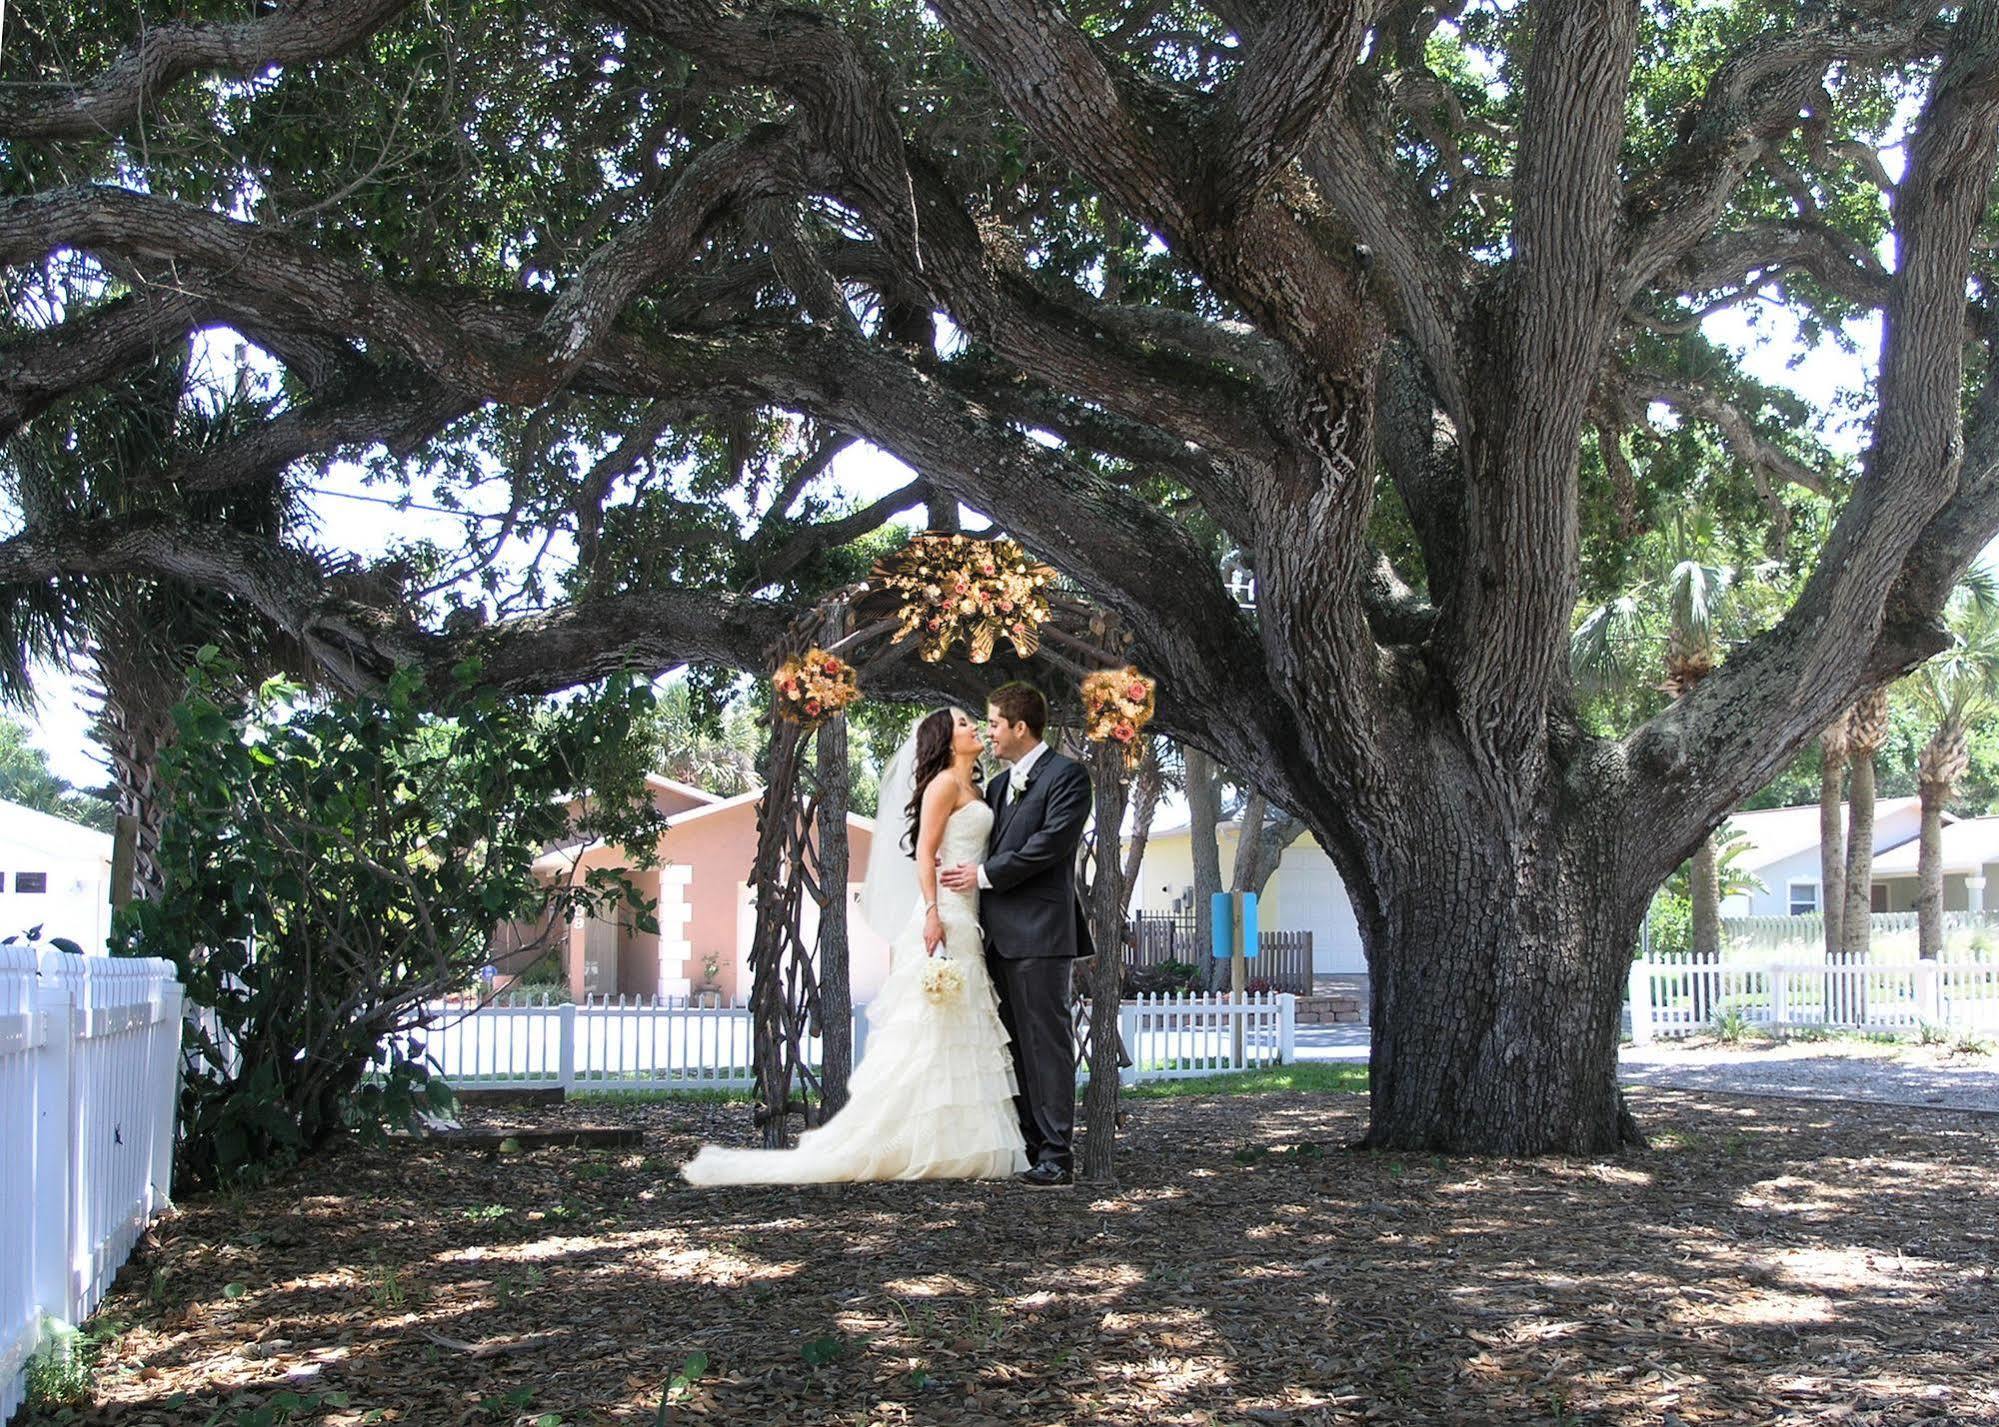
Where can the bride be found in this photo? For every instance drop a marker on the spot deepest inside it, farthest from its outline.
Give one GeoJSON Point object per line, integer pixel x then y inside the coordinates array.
{"type": "Point", "coordinates": [933, 1097]}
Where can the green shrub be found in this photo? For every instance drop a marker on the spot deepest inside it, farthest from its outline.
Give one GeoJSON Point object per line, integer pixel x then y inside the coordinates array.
{"type": "Point", "coordinates": [1165, 978]}
{"type": "Point", "coordinates": [1672, 923]}
{"type": "Point", "coordinates": [1730, 1025]}
{"type": "Point", "coordinates": [329, 868]}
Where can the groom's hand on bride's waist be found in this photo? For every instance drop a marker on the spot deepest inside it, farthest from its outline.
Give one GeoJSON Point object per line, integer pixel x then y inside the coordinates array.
{"type": "Point", "coordinates": [962, 878]}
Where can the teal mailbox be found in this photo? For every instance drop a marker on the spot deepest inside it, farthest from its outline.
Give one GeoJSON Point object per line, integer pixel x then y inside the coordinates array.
{"type": "Point", "coordinates": [1223, 929]}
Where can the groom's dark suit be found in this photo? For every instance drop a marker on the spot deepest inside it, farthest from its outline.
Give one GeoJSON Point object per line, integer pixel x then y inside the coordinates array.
{"type": "Point", "coordinates": [1035, 927]}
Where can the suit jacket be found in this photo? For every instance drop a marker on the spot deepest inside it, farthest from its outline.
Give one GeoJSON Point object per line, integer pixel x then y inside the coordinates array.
{"type": "Point", "coordinates": [1031, 909]}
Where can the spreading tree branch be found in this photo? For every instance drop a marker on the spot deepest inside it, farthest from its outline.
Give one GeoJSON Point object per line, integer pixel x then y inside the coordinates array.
{"type": "Point", "coordinates": [295, 33]}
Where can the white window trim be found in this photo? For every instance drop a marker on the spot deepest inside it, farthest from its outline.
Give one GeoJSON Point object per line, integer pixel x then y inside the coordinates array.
{"type": "Point", "coordinates": [1791, 897]}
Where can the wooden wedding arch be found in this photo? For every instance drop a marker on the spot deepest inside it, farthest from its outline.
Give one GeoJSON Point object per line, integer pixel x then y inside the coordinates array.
{"type": "Point", "coordinates": [945, 595]}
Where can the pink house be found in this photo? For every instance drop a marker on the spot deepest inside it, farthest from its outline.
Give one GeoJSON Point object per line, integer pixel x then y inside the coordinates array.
{"type": "Point", "coordinates": [703, 903]}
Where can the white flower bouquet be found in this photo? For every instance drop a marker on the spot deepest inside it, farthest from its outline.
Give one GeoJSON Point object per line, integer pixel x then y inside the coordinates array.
{"type": "Point", "coordinates": [942, 979]}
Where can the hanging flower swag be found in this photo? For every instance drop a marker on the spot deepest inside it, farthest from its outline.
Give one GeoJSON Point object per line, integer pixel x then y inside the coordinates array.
{"type": "Point", "coordinates": [957, 587]}
{"type": "Point", "coordinates": [1117, 705]}
{"type": "Point", "coordinates": [815, 687]}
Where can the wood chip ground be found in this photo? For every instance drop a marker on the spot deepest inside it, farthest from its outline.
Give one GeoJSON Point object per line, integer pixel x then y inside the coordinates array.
{"type": "Point", "coordinates": [1766, 1262]}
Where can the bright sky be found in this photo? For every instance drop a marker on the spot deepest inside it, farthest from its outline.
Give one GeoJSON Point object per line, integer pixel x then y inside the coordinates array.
{"type": "Point", "coordinates": [862, 474]}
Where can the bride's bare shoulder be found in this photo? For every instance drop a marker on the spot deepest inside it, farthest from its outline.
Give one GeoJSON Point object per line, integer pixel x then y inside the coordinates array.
{"type": "Point", "coordinates": [947, 793]}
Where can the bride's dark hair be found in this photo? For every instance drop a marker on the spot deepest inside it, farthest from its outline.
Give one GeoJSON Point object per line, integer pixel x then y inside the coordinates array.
{"type": "Point", "coordinates": [934, 737]}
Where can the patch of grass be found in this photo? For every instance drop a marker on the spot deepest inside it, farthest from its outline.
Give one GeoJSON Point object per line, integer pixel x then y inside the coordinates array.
{"type": "Point", "coordinates": [1730, 1025]}
{"type": "Point", "coordinates": [1971, 1043]}
{"type": "Point", "coordinates": [1317, 1077]}
{"type": "Point", "coordinates": [64, 1373]}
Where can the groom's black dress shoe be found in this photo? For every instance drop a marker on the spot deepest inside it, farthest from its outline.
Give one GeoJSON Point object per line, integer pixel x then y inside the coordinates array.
{"type": "Point", "coordinates": [1045, 1175]}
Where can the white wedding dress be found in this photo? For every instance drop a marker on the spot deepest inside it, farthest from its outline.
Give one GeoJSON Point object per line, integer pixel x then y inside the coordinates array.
{"type": "Point", "coordinates": [933, 1095]}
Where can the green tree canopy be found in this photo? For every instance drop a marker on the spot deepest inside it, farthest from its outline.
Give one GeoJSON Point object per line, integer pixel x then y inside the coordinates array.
{"type": "Point", "coordinates": [27, 779]}
{"type": "Point", "coordinates": [1403, 304]}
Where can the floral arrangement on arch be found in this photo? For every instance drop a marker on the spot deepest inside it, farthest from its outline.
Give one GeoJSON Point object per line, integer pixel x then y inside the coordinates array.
{"type": "Point", "coordinates": [814, 687]}
{"type": "Point", "coordinates": [1117, 705]}
{"type": "Point", "coordinates": [960, 587]}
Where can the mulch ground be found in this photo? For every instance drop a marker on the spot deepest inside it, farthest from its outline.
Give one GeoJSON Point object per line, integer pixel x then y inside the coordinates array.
{"type": "Point", "coordinates": [1765, 1262]}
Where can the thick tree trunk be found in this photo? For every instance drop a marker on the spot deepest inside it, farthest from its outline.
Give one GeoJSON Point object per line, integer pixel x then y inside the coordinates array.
{"type": "Point", "coordinates": [1832, 851]}
{"type": "Point", "coordinates": [1856, 923]}
{"type": "Point", "coordinates": [1497, 977]}
{"type": "Point", "coordinates": [1704, 891]}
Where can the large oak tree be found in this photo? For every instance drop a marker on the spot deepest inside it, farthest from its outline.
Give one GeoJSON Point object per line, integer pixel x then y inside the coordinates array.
{"type": "Point", "coordinates": [1351, 288]}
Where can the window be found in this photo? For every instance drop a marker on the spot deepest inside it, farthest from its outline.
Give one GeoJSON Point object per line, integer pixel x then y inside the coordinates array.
{"type": "Point", "coordinates": [31, 881]}
{"type": "Point", "coordinates": [1804, 898]}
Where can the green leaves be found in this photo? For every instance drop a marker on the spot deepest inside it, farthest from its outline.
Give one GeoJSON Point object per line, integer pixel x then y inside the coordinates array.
{"type": "Point", "coordinates": [330, 867]}
{"type": "Point", "coordinates": [820, 1351]}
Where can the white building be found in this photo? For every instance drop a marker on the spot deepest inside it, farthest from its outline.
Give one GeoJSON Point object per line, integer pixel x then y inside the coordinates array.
{"type": "Point", "coordinates": [1782, 851]}
{"type": "Point", "coordinates": [1305, 893]}
{"type": "Point", "coordinates": [1970, 848]}
{"type": "Point", "coordinates": [54, 874]}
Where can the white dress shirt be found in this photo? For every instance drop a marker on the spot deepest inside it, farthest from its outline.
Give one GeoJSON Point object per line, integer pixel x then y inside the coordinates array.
{"type": "Point", "coordinates": [1016, 778]}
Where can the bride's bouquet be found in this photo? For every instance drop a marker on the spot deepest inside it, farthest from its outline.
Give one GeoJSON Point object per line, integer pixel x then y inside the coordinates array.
{"type": "Point", "coordinates": [942, 979]}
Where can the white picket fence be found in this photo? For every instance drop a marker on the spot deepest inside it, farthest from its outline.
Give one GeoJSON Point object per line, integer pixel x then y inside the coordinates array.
{"type": "Point", "coordinates": [1678, 998]}
{"type": "Point", "coordinates": [633, 1043]}
{"type": "Point", "coordinates": [1180, 1037]}
{"type": "Point", "coordinates": [89, 1075]}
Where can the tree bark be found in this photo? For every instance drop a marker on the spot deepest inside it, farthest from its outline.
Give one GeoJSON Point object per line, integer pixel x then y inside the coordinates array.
{"type": "Point", "coordinates": [1704, 889]}
{"type": "Point", "coordinates": [1106, 970]}
{"type": "Point", "coordinates": [1832, 842]}
{"type": "Point", "coordinates": [1247, 875]}
{"type": "Point", "coordinates": [1929, 871]}
{"type": "Point", "coordinates": [1857, 922]}
{"type": "Point", "coordinates": [1496, 976]}
{"type": "Point", "coordinates": [1204, 813]}
{"type": "Point", "coordinates": [836, 989]}
{"type": "Point", "coordinates": [1943, 761]}
{"type": "Point", "coordinates": [1145, 791]}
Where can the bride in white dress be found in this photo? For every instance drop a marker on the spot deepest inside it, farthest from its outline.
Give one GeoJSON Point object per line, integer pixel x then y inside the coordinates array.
{"type": "Point", "coordinates": [933, 1096]}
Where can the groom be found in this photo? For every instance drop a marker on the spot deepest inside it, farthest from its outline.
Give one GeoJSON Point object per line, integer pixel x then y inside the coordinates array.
{"type": "Point", "coordinates": [1033, 921]}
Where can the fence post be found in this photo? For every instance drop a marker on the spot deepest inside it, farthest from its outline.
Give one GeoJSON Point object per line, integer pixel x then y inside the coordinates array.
{"type": "Point", "coordinates": [1780, 995]}
{"type": "Point", "coordinates": [1639, 987]}
{"type": "Point", "coordinates": [1127, 1026]}
{"type": "Point", "coordinates": [1929, 1005]}
{"type": "Point", "coordinates": [1287, 1028]}
{"type": "Point", "coordinates": [166, 1071]}
{"type": "Point", "coordinates": [566, 1047]}
{"type": "Point", "coordinates": [54, 1204]}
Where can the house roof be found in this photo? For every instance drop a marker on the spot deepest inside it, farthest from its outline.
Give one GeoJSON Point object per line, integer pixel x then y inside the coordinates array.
{"type": "Point", "coordinates": [1968, 844]}
{"type": "Point", "coordinates": [1777, 833]}
{"type": "Point", "coordinates": [563, 857]}
{"type": "Point", "coordinates": [688, 790]}
{"type": "Point", "coordinates": [46, 833]}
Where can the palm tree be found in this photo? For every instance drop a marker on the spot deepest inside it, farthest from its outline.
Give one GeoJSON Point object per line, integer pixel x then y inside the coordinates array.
{"type": "Point", "coordinates": [1956, 688]}
{"type": "Point", "coordinates": [107, 455]}
{"type": "Point", "coordinates": [1675, 616]}
{"type": "Point", "coordinates": [1866, 733]}
{"type": "Point", "coordinates": [1833, 752]}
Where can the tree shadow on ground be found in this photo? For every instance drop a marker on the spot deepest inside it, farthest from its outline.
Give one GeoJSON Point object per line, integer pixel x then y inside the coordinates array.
{"type": "Point", "coordinates": [1766, 1261]}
